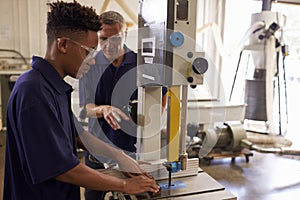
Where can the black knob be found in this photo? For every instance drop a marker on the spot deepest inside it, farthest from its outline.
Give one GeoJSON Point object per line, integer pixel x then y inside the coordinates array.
{"type": "Point", "coordinates": [190, 54]}
{"type": "Point", "coordinates": [200, 65]}
{"type": "Point", "coordinates": [190, 79]}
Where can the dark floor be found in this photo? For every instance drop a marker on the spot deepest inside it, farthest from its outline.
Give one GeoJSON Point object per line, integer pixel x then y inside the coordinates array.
{"type": "Point", "coordinates": [265, 176]}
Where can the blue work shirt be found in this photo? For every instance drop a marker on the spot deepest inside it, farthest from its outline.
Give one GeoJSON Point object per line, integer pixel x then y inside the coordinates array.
{"type": "Point", "coordinates": [105, 84]}
{"type": "Point", "coordinates": [41, 137]}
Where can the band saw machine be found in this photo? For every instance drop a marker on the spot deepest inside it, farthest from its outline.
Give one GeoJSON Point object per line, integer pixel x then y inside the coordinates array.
{"type": "Point", "coordinates": [167, 57]}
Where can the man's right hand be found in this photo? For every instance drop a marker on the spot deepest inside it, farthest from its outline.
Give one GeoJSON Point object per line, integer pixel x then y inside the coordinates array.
{"type": "Point", "coordinates": [112, 115]}
{"type": "Point", "coordinates": [140, 184]}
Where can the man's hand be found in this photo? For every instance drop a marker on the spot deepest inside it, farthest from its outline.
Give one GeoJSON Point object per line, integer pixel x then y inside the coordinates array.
{"type": "Point", "coordinates": [140, 184]}
{"type": "Point", "coordinates": [113, 116]}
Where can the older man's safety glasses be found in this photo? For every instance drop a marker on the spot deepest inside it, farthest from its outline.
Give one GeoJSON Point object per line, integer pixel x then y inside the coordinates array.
{"type": "Point", "coordinates": [116, 39]}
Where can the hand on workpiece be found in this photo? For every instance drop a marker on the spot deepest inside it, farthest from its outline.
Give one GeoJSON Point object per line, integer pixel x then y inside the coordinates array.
{"type": "Point", "coordinates": [141, 179]}
{"type": "Point", "coordinates": [140, 184]}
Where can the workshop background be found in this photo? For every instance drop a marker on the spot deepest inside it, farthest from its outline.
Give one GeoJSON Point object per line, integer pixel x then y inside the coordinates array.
{"type": "Point", "coordinates": [222, 27]}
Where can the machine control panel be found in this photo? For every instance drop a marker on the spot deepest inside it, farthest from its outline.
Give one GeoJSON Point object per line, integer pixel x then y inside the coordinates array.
{"type": "Point", "coordinates": [167, 44]}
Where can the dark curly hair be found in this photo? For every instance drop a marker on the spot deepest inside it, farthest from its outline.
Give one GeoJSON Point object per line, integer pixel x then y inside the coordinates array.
{"type": "Point", "coordinates": [66, 18]}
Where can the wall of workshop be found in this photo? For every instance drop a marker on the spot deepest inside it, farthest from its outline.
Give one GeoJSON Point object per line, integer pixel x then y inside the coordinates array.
{"type": "Point", "coordinates": [23, 24]}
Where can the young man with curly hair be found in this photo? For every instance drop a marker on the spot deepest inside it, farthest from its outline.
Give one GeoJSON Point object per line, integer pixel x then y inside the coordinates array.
{"type": "Point", "coordinates": [41, 143]}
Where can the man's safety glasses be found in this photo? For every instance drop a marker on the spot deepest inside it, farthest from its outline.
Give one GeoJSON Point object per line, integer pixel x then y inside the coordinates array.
{"type": "Point", "coordinates": [116, 39]}
{"type": "Point", "coordinates": [90, 52]}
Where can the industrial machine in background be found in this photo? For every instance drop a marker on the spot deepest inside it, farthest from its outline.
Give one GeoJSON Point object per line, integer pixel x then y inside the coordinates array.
{"type": "Point", "coordinates": [230, 140]}
{"type": "Point", "coordinates": [264, 94]}
{"type": "Point", "coordinates": [265, 83]}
